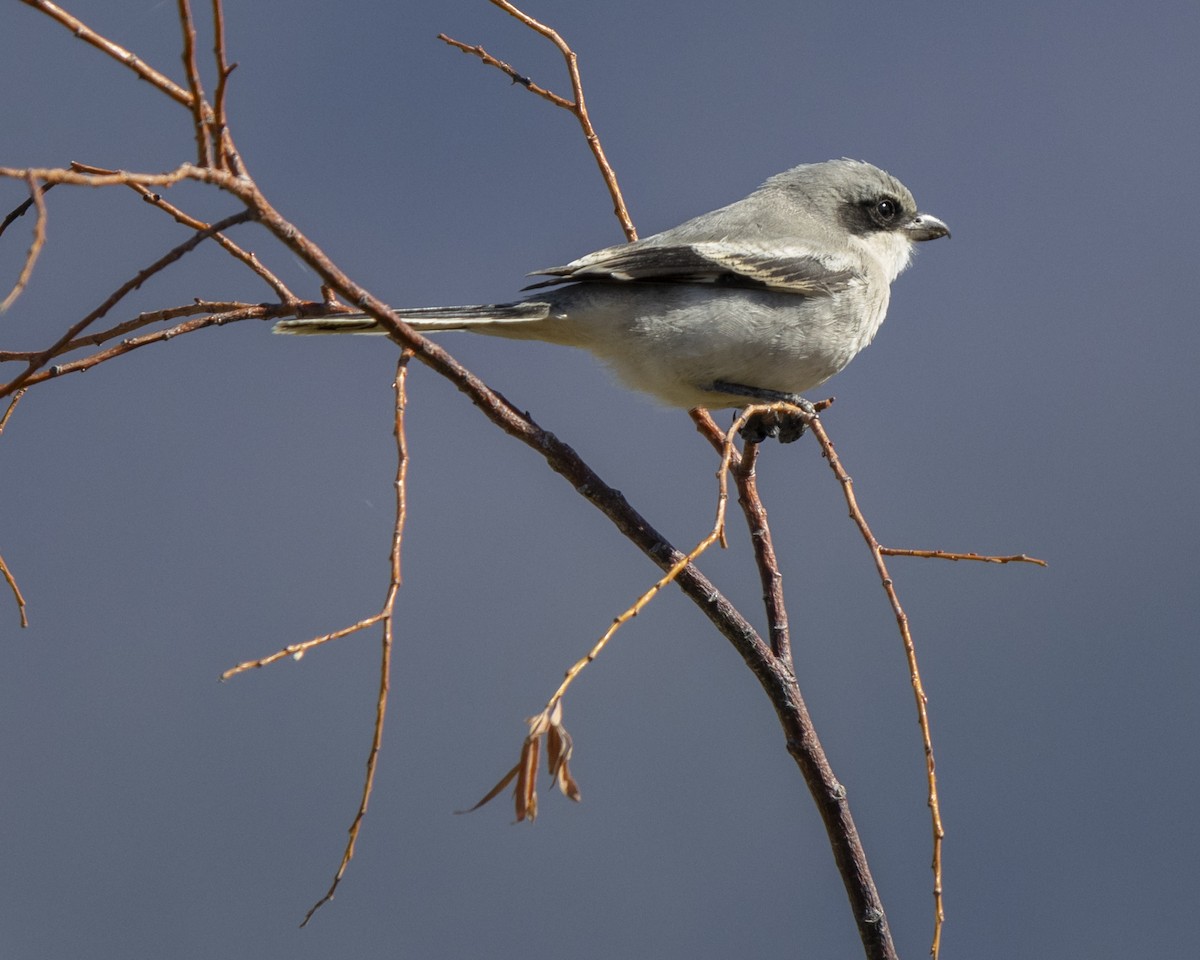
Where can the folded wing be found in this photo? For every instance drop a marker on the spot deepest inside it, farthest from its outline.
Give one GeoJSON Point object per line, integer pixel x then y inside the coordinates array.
{"type": "Point", "coordinates": [794, 270]}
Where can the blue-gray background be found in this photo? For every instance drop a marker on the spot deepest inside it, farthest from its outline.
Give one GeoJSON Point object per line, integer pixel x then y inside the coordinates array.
{"type": "Point", "coordinates": [211, 500]}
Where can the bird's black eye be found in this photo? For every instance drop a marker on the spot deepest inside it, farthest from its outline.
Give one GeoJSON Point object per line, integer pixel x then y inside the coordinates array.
{"type": "Point", "coordinates": [886, 210]}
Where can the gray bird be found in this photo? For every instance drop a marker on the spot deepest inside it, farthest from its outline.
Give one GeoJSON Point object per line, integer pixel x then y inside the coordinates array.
{"type": "Point", "coordinates": [758, 301]}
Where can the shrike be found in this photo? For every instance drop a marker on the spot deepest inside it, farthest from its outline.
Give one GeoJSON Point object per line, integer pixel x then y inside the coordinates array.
{"type": "Point", "coordinates": [755, 302]}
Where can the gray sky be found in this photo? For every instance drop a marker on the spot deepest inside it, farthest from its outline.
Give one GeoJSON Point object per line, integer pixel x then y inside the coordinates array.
{"type": "Point", "coordinates": [209, 501]}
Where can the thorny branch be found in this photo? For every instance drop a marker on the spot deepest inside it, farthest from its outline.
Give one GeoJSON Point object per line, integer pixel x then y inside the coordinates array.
{"type": "Point", "coordinates": [219, 165]}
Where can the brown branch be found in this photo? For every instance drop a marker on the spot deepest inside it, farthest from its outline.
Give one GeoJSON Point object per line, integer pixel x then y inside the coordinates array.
{"type": "Point", "coordinates": [245, 256]}
{"type": "Point", "coordinates": [209, 118]}
{"type": "Point", "coordinates": [510, 71]}
{"type": "Point", "coordinates": [114, 50]}
{"type": "Point", "coordinates": [16, 591]}
{"type": "Point", "coordinates": [389, 622]}
{"type": "Point", "coordinates": [21, 209]}
{"type": "Point", "coordinates": [297, 650]}
{"type": "Point", "coordinates": [52, 175]}
{"type": "Point", "coordinates": [910, 654]}
{"type": "Point", "coordinates": [35, 247]}
{"type": "Point", "coordinates": [386, 616]}
{"type": "Point", "coordinates": [27, 376]}
{"type": "Point", "coordinates": [227, 154]}
{"type": "Point", "coordinates": [578, 106]}
{"type": "Point", "coordinates": [760, 533]}
{"type": "Point", "coordinates": [204, 147]}
{"type": "Point", "coordinates": [767, 563]}
{"type": "Point", "coordinates": [144, 320]}
{"type": "Point", "coordinates": [12, 405]}
{"type": "Point", "coordinates": [4, 571]}
{"type": "Point", "coordinates": [548, 722]}
{"type": "Point", "coordinates": [943, 555]}
{"type": "Point", "coordinates": [159, 336]}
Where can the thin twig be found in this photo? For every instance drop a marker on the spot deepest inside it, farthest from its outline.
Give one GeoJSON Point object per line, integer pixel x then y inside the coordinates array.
{"type": "Point", "coordinates": [227, 155]}
{"type": "Point", "coordinates": [388, 615]}
{"type": "Point", "coordinates": [35, 246]}
{"type": "Point", "coordinates": [944, 555]}
{"type": "Point", "coordinates": [153, 316]}
{"type": "Point", "coordinates": [245, 256]}
{"type": "Point", "coordinates": [159, 336]}
{"type": "Point", "coordinates": [910, 654]}
{"type": "Point", "coordinates": [114, 50]}
{"type": "Point", "coordinates": [716, 533]}
{"type": "Point", "coordinates": [7, 574]}
{"type": "Point", "coordinates": [12, 405]}
{"type": "Point", "coordinates": [168, 86]}
{"type": "Point", "coordinates": [578, 106]}
{"type": "Point", "coordinates": [204, 147]}
{"type": "Point", "coordinates": [16, 591]}
{"type": "Point", "coordinates": [21, 209]}
{"type": "Point", "coordinates": [27, 376]}
{"type": "Point", "coordinates": [548, 722]}
{"type": "Point", "coordinates": [297, 650]}
{"type": "Point", "coordinates": [509, 71]}
{"type": "Point", "coordinates": [52, 175]}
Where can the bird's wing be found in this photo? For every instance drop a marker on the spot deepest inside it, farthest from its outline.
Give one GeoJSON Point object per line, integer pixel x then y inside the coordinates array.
{"type": "Point", "coordinates": [794, 269]}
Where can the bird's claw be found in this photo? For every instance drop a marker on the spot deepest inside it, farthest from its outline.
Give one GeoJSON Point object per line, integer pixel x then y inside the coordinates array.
{"type": "Point", "coordinates": [786, 425]}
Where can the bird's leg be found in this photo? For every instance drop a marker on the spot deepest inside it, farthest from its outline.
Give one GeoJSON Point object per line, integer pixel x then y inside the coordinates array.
{"type": "Point", "coordinates": [788, 427]}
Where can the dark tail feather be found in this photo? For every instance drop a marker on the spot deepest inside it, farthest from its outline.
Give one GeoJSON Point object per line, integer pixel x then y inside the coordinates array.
{"type": "Point", "coordinates": [421, 318]}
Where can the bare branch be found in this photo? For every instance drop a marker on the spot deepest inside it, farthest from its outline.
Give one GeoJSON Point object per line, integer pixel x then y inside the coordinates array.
{"type": "Point", "coordinates": [943, 555]}
{"type": "Point", "coordinates": [35, 247]}
{"type": "Point", "coordinates": [764, 553]}
{"type": "Point", "coordinates": [27, 377]}
{"type": "Point", "coordinates": [154, 316]}
{"type": "Point", "coordinates": [114, 50]}
{"type": "Point", "coordinates": [4, 571]}
{"type": "Point", "coordinates": [578, 106]}
{"type": "Point", "coordinates": [207, 121]}
{"type": "Point", "coordinates": [388, 615]}
{"type": "Point", "coordinates": [53, 175]}
{"type": "Point", "coordinates": [297, 650]}
{"type": "Point", "coordinates": [910, 653]}
{"type": "Point", "coordinates": [222, 139]}
{"type": "Point", "coordinates": [204, 155]}
{"type": "Point", "coordinates": [21, 209]}
{"type": "Point", "coordinates": [160, 336]}
{"type": "Point", "coordinates": [510, 71]}
{"type": "Point", "coordinates": [12, 405]}
{"type": "Point", "coordinates": [16, 591]}
{"type": "Point", "coordinates": [155, 199]}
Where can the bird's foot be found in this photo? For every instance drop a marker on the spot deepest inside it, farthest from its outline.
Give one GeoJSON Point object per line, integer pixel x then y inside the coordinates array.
{"type": "Point", "coordinates": [786, 425]}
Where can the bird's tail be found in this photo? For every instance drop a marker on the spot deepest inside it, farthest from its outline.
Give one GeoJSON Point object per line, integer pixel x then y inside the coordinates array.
{"type": "Point", "coordinates": [422, 318]}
